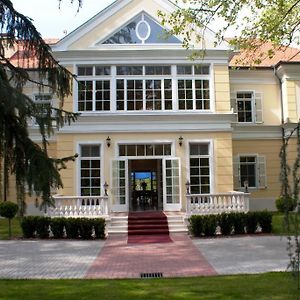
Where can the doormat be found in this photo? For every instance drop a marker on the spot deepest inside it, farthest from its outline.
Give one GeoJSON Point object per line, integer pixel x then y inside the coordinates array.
{"type": "Point", "coordinates": [151, 238]}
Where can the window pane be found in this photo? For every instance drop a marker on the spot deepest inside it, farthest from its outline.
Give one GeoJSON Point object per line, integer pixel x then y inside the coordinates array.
{"type": "Point", "coordinates": [184, 70]}
{"type": "Point", "coordinates": [85, 71]}
{"type": "Point", "coordinates": [100, 70]}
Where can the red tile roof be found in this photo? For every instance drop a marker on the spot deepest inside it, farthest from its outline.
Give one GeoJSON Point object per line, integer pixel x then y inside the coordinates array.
{"type": "Point", "coordinates": [246, 58]}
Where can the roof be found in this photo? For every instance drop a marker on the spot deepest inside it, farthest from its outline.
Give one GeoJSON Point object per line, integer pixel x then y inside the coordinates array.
{"type": "Point", "coordinates": [260, 57]}
{"type": "Point", "coordinates": [23, 58]}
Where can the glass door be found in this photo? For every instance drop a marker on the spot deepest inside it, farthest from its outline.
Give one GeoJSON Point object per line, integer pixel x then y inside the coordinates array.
{"type": "Point", "coordinates": [119, 184]}
{"type": "Point", "coordinates": [172, 193]}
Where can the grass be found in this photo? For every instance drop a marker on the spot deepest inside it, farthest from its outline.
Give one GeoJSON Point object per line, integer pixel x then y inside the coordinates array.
{"type": "Point", "coordinates": [278, 226]}
{"type": "Point", "coordinates": [16, 228]}
{"type": "Point", "coordinates": [259, 287]}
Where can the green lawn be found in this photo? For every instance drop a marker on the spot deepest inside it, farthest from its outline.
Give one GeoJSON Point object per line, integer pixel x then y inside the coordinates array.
{"type": "Point", "coordinates": [265, 286]}
{"type": "Point", "coordinates": [278, 226]}
{"type": "Point", "coordinates": [16, 229]}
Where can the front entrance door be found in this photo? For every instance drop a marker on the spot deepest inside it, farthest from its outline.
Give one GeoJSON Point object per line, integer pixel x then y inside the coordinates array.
{"type": "Point", "coordinates": [145, 184]}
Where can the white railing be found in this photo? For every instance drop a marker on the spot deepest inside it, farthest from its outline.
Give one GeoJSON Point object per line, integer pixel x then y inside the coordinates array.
{"type": "Point", "coordinates": [79, 206]}
{"type": "Point", "coordinates": [203, 204]}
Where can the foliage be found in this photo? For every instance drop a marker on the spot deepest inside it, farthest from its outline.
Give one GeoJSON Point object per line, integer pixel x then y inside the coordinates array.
{"type": "Point", "coordinates": [57, 226]}
{"type": "Point", "coordinates": [251, 222]}
{"type": "Point", "coordinates": [43, 227]}
{"type": "Point", "coordinates": [285, 204]}
{"type": "Point", "coordinates": [239, 223]}
{"type": "Point", "coordinates": [265, 221]}
{"type": "Point", "coordinates": [8, 209]}
{"type": "Point", "coordinates": [209, 225]}
{"type": "Point", "coordinates": [196, 225]}
{"type": "Point", "coordinates": [264, 21]}
{"type": "Point", "coordinates": [206, 225]}
{"type": "Point", "coordinates": [86, 228]}
{"type": "Point", "coordinates": [277, 286]}
{"type": "Point", "coordinates": [72, 228]}
{"type": "Point", "coordinates": [225, 222]}
{"type": "Point", "coordinates": [29, 226]}
{"type": "Point", "coordinates": [99, 228]}
{"type": "Point", "coordinates": [28, 161]}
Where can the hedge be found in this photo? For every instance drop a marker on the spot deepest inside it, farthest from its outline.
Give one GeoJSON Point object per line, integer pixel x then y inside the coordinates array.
{"type": "Point", "coordinates": [72, 228]}
{"type": "Point", "coordinates": [230, 223]}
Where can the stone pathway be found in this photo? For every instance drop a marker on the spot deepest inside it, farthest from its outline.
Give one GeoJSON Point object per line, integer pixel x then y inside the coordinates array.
{"type": "Point", "coordinates": [177, 259]}
{"type": "Point", "coordinates": [114, 258]}
{"type": "Point", "coordinates": [47, 259]}
{"type": "Point", "coordinates": [247, 254]}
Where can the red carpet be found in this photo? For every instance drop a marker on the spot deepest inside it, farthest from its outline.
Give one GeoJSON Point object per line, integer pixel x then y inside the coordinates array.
{"type": "Point", "coordinates": [148, 227]}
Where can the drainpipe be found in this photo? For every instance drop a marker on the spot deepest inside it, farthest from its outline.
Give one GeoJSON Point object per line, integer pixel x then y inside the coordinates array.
{"type": "Point", "coordinates": [284, 154]}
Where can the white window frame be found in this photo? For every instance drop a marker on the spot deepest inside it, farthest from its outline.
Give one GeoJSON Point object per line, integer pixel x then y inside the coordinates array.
{"type": "Point", "coordinates": [78, 164]}
{"type": "Point", "coordinates": [211, 150]}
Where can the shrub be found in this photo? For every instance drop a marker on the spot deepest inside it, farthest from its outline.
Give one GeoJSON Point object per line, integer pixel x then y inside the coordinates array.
{"type": "Point", "coordinates": [57, 226]}
{"type": "Point", "coordinates": [209, 225]}
{"type": "Point", "coordinates": [251, 222]}
{"type": "Point", "coordinates": [225, 221]}
{"type": "Point", "coordinates": [239, 222]}
{"type": "Point", "coordinates": [264, 219]}
{"type": "Point", "coordinates": [8, 210]}
{"type": "Point", "coordinates": [284, 204]}
{"type": "Point", "coordinates": [72, 228]}
{"type": "Point", "coordinates": [85, 228]}
{"type": "Point", "coordinates": [42, 227]}
{"type": "Point", "coordinates": [29, 226]}
{"type": "Point", "coordinates": [196, 225]}
{"type": "Point", "coordinates": [99, 228]}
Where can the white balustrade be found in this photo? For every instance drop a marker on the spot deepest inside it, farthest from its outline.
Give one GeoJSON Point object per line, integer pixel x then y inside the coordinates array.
{"type": "Point", "coordinates": [79, 206]}
{"type": "Point", "coordinates": [203, 204]}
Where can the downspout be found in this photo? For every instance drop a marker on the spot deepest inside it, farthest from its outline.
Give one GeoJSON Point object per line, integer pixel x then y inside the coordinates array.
{"type": "Point", "coordinates": [283, 173]}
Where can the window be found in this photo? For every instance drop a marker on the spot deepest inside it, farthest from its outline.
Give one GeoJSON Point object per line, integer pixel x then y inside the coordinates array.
{"type": "Point", "coordinates": [150, 93]}
{"type": "Point", "coordinates": [44, 105]}
{"type": "Point", "coordinates": [249, 168]}
{"type": "Point", "coordinates": [193, 92]}
{"type": "Point", "coordinates": [199, 169]}
{"type": "Point", "coordinates": [94, 92]}
{"type": "Point", "coordinates": [144, 149]}
{"type": "Point", "coordinates": [142, 30]}
{"type": "Point", "coordinates": [248, 106]}
{"type": "Point", "coordinates": [90, 170]}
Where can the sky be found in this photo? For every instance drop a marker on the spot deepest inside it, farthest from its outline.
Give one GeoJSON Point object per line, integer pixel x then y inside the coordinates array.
{"type": "Point", "coordinates": [53, 22]}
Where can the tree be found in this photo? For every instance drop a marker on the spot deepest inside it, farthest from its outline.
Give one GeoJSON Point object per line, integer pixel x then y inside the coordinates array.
{"type": "Point", "coordinates": [20, 156]}
{"type": "Point", "coordinates": [274, 21]}
{"type": "Point", "coordinates": [8, 210]}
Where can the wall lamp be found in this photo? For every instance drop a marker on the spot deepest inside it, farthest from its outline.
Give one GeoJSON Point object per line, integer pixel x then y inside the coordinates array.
{"type": "Point", "coordinates": [108, 141]}
{"type": "Point", "coordinates": [180, 140]}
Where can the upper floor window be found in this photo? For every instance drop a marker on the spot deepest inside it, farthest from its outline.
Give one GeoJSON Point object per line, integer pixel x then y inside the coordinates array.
{"type": "Point", "coordinates": [143, 88]}
{"type": "Point", "coordinates": [94, 94]}
{"type": "Point", "coordinates": [248, 106]}
{"type": "Point", "coordinates": [193, 92]}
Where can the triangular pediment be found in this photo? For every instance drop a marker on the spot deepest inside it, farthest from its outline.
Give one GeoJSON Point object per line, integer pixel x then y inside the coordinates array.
{"type": "Point", "coordinates": [128, 22]}
{"type": "Point", "coordinates": [142, 29]}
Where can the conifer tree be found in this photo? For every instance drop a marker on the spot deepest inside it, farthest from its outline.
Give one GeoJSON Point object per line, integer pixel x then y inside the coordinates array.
{"type": "Point", "coordinates": [21, 157]}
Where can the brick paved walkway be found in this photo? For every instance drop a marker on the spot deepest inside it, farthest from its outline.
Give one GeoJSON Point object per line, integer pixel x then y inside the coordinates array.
{"type": "Point", "coordinates": [121, 260]}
